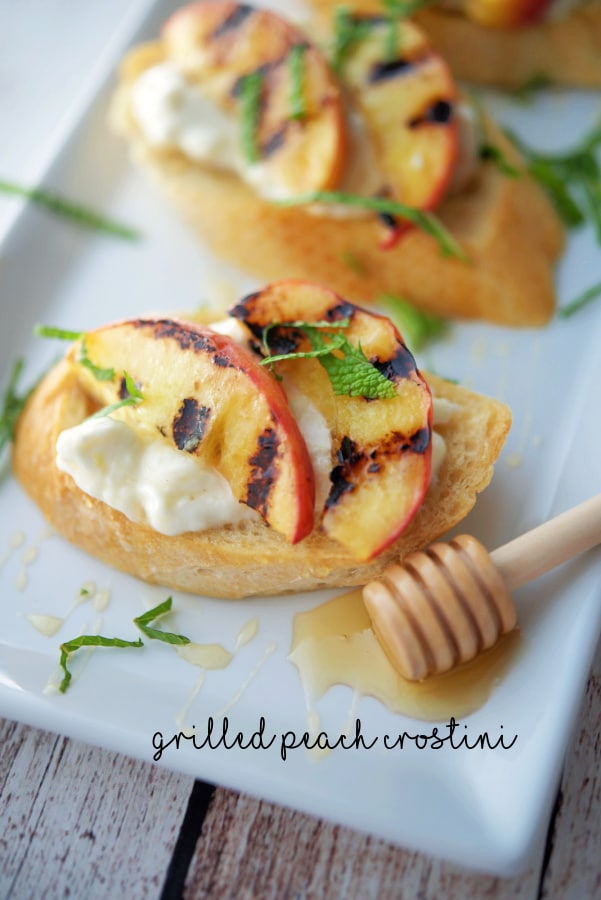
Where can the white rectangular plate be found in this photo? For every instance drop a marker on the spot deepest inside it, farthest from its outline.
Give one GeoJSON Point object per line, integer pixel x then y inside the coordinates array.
{"type": "Point", "coordinates": [481, 808]}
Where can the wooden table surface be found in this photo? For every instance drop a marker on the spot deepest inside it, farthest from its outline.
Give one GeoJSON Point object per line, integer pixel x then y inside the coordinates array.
{"type": "Point", "coordinates": [77, 821]}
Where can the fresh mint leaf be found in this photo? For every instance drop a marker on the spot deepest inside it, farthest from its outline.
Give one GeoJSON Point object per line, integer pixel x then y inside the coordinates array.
{"type": "Point", "coordinates": [87, 640]}
{"type": "Point", "coordinates": [66, 209]}
{"type": "Point", "coordinates": [417, 327]}
{"type": "Point", "coordinates": [348, 31]}
{"type": "Point", "coordinates": [143, 623]}
{"type": "Point", "coordinates": [12, 405]}
{"type": "Point", "coordinates": [526, 92]}
{"type": "Point", "coordinates": [352, 262]}
{"type": "Point", "coordinates": [572, 180]}
{"type": "Point", "coordinates": [51, 331]}
{"type": "Point", "coordinates": [494, 154]}
{"type": "Point", "coordinates": [251, 88]}
{"type": "Point", "coordinates": [583, 299]}
{"type": "Point", "coordinates": [349, 370]}
{"type": "Point", "coordinates": [98, 372]}
{"type": "Point", "coordinates": [425, 221]}
{"type": "Point", "coordinates": [354, 375]}
{"type": "Point", "coordinates": [296, 62]}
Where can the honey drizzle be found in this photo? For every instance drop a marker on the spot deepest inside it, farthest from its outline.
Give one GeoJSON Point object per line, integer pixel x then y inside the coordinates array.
{"type": "Point", "coordinates": [334, 644]}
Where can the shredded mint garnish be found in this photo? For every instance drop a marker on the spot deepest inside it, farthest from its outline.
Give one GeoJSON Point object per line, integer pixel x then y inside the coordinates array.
{"type": "Point", "coordinates": [87, 640]}
{"type": "Point", "coordinates": [572, 180]}
{"type": "Point", "coordinates": [168, 637]}
{"type": "Point", "coordinates": [392, 33]}
{"type": "Point", "coordinates": [487, 150]}
{"type": "Point", "coordinates": [353, 263]}
{"type": "Point", "coordinates": [404, 9]}
{"type": "Point", "coordinates": [134, 396]}
{"type": "Point", "coordinates": [348, 31]}
{"type": "Point", "coordinates": [296, 61]}
{"type": "Point", "coordinates": [50, 331]}
{"type": "Point", "coordinates": [12, 405]}
{"type": "Point", "coordinates": [494, 154]}
{"type": "Point", "coordinates": [98, 372]}
{"type": "Point", "coordinates": [423, 220]}
{"type": "Point", "coordinates": [96, 640]}
{"type": "Point", "coordinates": [417, 327]}
{"type": "Point", "coordinates": [526, 92]}
{"type": "Point", "coordinates": [75, 212]}
{"type": "Point", "coordinates": [351, 373]}
{"type": "Point", "coordinates": [250, 97]}
{"type": "Point", "coordinates": [583, 299]}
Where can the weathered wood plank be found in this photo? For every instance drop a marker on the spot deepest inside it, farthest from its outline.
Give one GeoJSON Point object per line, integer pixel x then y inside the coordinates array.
{"type": "Point", "coordinates": [79, 821]}
{"type": "Point", "coordinates": [574, 869]}
{"type": "Point", "coordinates": [249, 848]}
{"type": "Point", "coordinates": [75, 815]}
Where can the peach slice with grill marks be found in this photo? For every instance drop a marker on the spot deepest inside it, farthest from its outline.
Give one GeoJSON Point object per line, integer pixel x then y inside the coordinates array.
{"type": "Point", "coordinates": [506, 13]}
{"type": "Point", "coordinates": [216, 45]}
{"type": "Point", "coordinates": [208, 396]}
{"type": "Point", "coordinates": [406, 100]}
{"type": "Point", "coordinates": [381, 447]}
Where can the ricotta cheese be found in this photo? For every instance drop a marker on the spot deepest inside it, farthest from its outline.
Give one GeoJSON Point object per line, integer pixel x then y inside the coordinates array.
{"type": "Point", "coordinates": [174, 114]}
{"type": "Point", "coordinates": [147, 480]}
{"type": "Point", "coordinates": [133, 471]}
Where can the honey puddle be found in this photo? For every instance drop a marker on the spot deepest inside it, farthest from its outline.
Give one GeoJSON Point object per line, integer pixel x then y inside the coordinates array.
{"type": "Point", "coordinates": [334, 644]}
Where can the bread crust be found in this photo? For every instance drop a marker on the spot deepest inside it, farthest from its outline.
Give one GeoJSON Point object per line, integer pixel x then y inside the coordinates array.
{"type": "Point", "coordinates": [565, 51]}
{"type": "Point", "coordinates": [506, 226]}
{"type": "Point", "coordinates": [248, 559]}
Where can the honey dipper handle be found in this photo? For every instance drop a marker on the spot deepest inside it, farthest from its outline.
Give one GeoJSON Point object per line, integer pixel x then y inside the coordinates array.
{"type": "Point", "coordinates": [549, 545]}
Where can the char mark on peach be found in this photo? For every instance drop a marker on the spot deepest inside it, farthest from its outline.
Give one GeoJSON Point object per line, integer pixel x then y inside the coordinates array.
{"type": "Point", "coordinates": [341, 310]}
{"type": "Point", "coordinates": [190, 424]}
{"type": "Point", "coordinates": [187, 338]}
{"type": "Point", "coordinates": [263, 471]}
{"type": "Point", "coordinates": [233, 21]}
{"type": "Point", "coordinates": [274, 143]}
{"type": "Point", "coordinates": [341, 475]}
{"type": "Point", "coordinates": [401, 365]}
{"type": "Point", "coordinates": [123, 392]}
{"type": "Point", "coordinates": [356, 464]}
{"type": "Point", "coordinates": [439, 113]}
{"type": "Point", "coordinates": [420, 440]}
{"type": "Point", "coordinates": [384, 71]}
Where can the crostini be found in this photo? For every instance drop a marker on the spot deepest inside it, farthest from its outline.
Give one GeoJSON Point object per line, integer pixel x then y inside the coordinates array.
{"type": "Point", "coordinates": [292, 446]}
{"type": "Point", "coordinates": [508, 43]}
{"type": "Point", "coordinates": [369, 174]}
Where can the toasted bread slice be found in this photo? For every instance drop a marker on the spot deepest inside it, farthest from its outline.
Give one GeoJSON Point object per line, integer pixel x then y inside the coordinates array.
{"type": "Point", "coordinates": [562, 51]}
{"type": "Point", "coordinates": [506, 226]}
{"type": "Point", "coordinates": [250, 558]}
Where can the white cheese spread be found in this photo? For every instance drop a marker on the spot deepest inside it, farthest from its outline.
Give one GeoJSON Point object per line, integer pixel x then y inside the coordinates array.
{"type": "Point", "coordinates": [174, 114]}
{"type": "Point", "coordinates": [468, 150]}
{"type": "Point", "coordinates": [147, 480]}
{"type": "Point", "coordinates": [317, 437]}
{"type": "Point", "coordinates": [142, 476]}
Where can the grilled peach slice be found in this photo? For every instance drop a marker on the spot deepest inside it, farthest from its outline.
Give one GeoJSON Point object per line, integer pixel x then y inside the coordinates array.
{"type": "Point", "coordinates": [407, 102]}
{"type": "Point", "coordinates": [381, 447]}
{"type": "Point", "coordinates": [506, 13]}
{"type": "Point", "coordinates": [299, 134]}
{"type": "Point", "coordinates": [209, 397]}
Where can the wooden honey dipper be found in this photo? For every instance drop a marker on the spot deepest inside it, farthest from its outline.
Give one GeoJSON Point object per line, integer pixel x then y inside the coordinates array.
{"type": "Point", "coordinates": [443, 606]}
